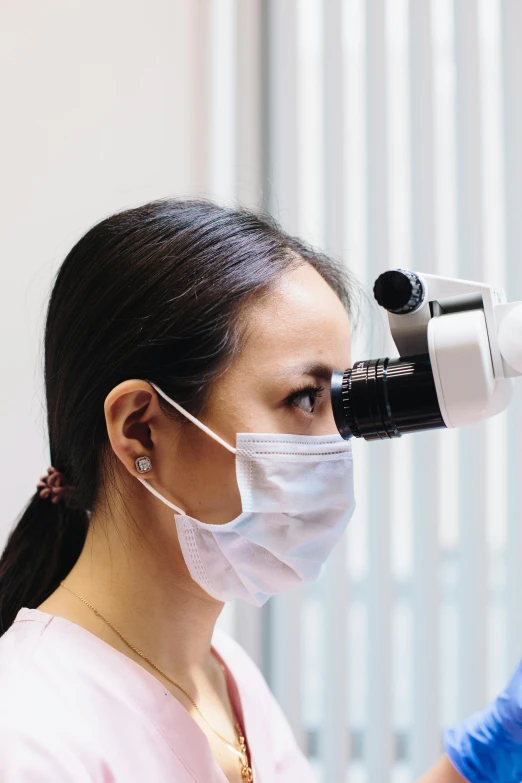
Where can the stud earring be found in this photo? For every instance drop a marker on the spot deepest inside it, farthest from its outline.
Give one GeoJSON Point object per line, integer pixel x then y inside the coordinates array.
{"type": "Point", "coordinates": [143, 464]}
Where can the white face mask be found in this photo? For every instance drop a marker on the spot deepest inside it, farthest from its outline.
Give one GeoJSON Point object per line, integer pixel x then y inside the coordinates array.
{"type": "Point", "coordinates": [297, 498]}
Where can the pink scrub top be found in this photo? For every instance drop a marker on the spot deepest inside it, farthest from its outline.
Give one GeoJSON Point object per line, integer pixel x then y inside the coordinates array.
{"type": "Point", "coordinates": [73, 709]}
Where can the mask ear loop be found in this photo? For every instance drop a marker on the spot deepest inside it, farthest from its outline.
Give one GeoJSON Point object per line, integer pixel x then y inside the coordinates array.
{"type": "Point", "coordinates": [198, 424]}
{"type": "Point", "coordinates": [194, 420]}
{"type": "Point", "coordinates": [158, 495]}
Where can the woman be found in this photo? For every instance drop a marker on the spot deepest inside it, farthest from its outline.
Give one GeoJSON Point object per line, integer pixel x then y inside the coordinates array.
{"type": "Point", "coordinates": [188, 350]}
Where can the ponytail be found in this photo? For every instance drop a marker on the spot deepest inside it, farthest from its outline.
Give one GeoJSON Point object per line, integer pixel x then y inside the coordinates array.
{"type": "Point", "coordinates": [40, 552]}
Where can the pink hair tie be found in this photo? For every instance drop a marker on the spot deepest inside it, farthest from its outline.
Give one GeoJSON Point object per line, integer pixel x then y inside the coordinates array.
{"type": "Point", "coordinates": [53, 485]}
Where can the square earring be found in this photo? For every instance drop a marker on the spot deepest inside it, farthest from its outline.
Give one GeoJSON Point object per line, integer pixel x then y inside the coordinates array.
{"type": "Point", "coordinates": [143, 464]}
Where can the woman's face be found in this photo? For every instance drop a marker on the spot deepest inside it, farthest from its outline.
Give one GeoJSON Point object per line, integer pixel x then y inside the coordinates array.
{"type": "Point", "coordinates": [279, 383]}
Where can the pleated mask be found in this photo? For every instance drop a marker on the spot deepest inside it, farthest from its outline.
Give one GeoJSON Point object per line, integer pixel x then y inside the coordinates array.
{"type": "Point", "coordinates": [297, 497]}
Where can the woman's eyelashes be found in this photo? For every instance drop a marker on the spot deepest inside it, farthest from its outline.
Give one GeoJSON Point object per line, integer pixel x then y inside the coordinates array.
{"type": "Point", "coordinates": [305, 399]}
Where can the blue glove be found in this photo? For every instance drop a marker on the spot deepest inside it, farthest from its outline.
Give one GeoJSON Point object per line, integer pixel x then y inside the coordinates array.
{"type": "Point", "coordinates": [487, 746]}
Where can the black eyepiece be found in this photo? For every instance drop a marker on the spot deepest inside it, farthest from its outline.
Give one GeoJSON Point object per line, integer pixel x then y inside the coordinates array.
{"type": "Point", "coordinates": [399, 291]}
{"type": "Point", "coordinates": [385, 398]}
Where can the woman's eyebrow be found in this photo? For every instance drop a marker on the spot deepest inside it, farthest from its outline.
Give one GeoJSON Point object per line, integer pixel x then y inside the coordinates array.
{"type": "Point", "coordinates": [315, 369]}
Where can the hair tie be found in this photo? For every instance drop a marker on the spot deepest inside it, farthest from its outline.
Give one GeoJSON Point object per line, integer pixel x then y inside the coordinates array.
{"type": "Point", "coordinates": [54, 486]}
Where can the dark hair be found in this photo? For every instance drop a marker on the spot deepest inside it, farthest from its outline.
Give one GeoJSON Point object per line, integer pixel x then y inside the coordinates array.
{"type": "Point", "coordinates": [154, 292]}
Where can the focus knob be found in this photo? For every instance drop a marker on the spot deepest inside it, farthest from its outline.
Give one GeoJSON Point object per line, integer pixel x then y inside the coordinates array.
{"type": "Point", "coordinates": [399, 291]}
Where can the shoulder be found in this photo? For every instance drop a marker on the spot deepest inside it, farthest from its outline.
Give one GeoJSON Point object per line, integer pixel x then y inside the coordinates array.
{"type": "Point", "coordinates": [33, 667]}
{"type": "Point", "coordinates": [71, 708]}
{"type": "Point", "coordinates": [37, 673]}
{"type": "Point", "coordinates": [20, 671]}
{"type": "Point", "coordinates": [33, 716]}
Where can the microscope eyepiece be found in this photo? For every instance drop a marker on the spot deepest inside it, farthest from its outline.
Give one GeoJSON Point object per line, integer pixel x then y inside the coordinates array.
{"type": "Point", "coordinates": [385, 398]}
{"type": "Point", "coordinates": [399, 291]}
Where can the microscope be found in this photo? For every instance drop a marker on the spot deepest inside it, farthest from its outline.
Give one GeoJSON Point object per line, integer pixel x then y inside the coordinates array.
{"type": "Point", "coordinates": [460, 346]}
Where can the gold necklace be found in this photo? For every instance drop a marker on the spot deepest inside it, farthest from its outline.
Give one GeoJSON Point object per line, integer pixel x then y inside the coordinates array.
{"type": "Point", "coordinates": [246, 770]}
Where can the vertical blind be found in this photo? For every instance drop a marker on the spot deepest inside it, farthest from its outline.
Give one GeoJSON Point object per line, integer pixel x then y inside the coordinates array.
{"type": "Point", "coordinates": [388, 132]}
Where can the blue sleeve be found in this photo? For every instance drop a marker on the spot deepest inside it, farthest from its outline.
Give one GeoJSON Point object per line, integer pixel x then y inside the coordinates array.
{"type": "Point", "coordinates": [487, 746]}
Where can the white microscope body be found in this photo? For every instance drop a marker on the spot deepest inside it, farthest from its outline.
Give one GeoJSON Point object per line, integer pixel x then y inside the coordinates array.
{"type": "Point", "coordinates": [474, 340]}
{"type": "Point", "coordinates": [460, 346]}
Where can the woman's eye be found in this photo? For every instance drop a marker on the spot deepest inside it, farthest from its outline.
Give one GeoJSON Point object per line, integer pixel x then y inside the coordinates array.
{"type": "Point", "coordinates": [306, 402]}
{"type": "Point", "coordinates": [306, 399]}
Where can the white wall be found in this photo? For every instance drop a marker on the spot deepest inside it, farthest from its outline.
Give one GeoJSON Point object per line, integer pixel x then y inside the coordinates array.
{"type": "Point", "coordinates": [101, 109]}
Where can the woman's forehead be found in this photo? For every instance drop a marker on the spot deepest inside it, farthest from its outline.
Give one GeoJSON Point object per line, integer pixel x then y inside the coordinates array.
{"type": "Point", "coordinates": [301, 321]}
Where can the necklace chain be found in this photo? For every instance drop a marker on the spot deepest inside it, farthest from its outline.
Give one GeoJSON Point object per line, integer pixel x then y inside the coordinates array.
{"type": "Point", "coordinates": [246, 771]}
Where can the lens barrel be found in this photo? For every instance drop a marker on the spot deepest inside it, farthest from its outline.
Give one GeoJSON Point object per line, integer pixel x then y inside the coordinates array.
{"type": "Point", "coordinates": [386, 398]}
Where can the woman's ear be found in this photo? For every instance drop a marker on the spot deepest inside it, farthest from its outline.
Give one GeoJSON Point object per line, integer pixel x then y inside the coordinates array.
{"type": "Point", "coordinates": [133, 416]}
